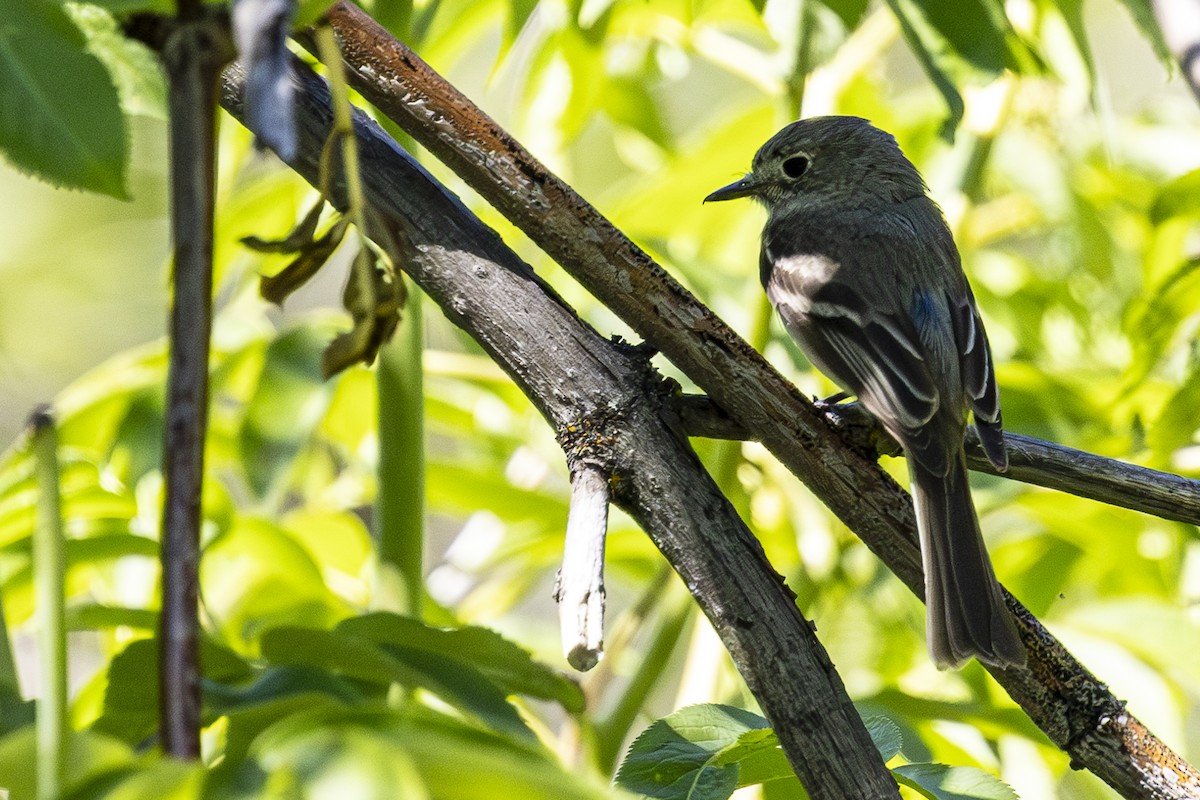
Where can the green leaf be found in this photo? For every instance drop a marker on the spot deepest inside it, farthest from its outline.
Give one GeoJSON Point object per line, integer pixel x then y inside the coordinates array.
{"type": "Point", "coordinates": [850, 11]}
{"type": "Point", "coordinates": [15, 711]}
{"type": "Point", "coordinates": [462, 487]}
{"type": "Point", "coordinates": [628, 102]}
{"type": "Point", "coordinates": [1179, 198]}
{"type": "Point", "coordinates": [449, 759]}
{"type": "Point", "coordinates": [514, 21]}
{"type": "Point", "coordinates": [940, 782]}
{"type": "Point", "coordinates": [246, 723]}
{"type": "Point", "coordinates": [91, 757]}
{"type": "Point", "coordinates": [1072, 14]}
{"type": "Point", "coordinates": [309, 11]}
{"type": "Point", "coordinates": [60, 117]}
{"type": "Point", "coordinates": [974, 30]}
{"type": "Point", "coordinates": [1143, 17]}
{"type": "Point", "coordinates": [130, 6]}
{"type": "Point", "coordinates": [287, 406]}
{"type": "Point", "coordinates": [254, 577]}
{"type": "Point", "coordinates": [934, 56]}
{"type": "Point", "coordinates": [161, 779]}
{"type": "Point", "coordinates": [93, 616]}
{"type": "Point", "coordinates": [707, 751]}
{"type": "Point", "coordinates": [960, 41]}
{"type": "Point", "coordinates": [134, 68]}
{"type": "Point", "coordinates": [501, 661]}
{"type": "Point", "coordinates": [278, 682]}
{"type": "Point", "coordinates": [692, 753]}
{"type": "Point", "coordinates": [330, 651]}
{"type": "Point", "coordinates": [459, 762]}
{"type": "Point", "coordinates": [310, 757]}
{"type": "Point", "coordinates": [457, 682]}
{"type": "Point", "coordinates": [391, 14]}
{"type": "Point", "coordinates": [1176, 423]}
{"type": "Point", "coordinates": [886, 736]}
{"type": "Point", "coordinates": [758, 757]}
{"type": "Point", "coordinates": [130, 710]}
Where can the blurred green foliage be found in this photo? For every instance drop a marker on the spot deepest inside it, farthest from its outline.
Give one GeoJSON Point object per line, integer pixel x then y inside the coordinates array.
{"type": "Point", "coordinates": [1076, 211]}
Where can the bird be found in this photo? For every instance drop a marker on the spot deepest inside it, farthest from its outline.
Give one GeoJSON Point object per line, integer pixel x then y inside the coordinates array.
{"type": "Point", "coordinates": [862, 268]}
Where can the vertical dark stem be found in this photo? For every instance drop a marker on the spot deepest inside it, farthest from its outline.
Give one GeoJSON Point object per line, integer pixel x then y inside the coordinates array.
{"type": "Point", "coordinates": [193, 55]}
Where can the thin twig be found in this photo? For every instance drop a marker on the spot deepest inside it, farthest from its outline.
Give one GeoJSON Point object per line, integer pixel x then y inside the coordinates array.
{"type": "Point", "coordinates": [580, 590]}
{"type": "Point", "coordinates": [1030, 460]}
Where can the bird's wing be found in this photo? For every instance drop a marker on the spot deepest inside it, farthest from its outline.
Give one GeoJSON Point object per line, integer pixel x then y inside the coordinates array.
{"type": "Point", "coordinates": [872, 349]}
{"type": "Point", "coordinates": [978, 375]}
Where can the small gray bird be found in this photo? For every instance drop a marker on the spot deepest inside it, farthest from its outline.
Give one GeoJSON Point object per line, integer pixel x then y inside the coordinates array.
{"type": "Point", "coordinates": [863, 270]}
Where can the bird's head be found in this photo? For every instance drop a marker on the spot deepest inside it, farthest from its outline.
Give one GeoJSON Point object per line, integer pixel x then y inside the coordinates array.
{"type": "Point", "coordinates": [835, 161]}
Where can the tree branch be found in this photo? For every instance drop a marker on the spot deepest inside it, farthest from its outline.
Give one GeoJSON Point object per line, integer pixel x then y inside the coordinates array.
{"type": "Point", "coordinates": [1066, 701]}
{"type": "Point", "coordinates": [1030, 460]}
{"type": "Point", "coordinates": [608, 408]}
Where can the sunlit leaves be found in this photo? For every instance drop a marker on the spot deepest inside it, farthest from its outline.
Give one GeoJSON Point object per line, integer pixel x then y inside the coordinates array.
{"type": "Point", "coordinates": [131, 6]}
{"type": "Point", "coordinates": [705, 752]}
{"type": "Point", "coordinates": [90, 758]}
{"type": "Point", "coordinates": [1143, 17]}
{"type": "Point", "coordinates": [288, 403]}
{"type": "Point", "coordinates": [694, 753]}
{"type": "Point", "coordinates": [130, 706]}
{"type": "Point", "coordinates": [502, 662]}
{"type": "Point", "coordinates": [454, 680]}
{"type": "Point", "coordinates": [255, 577]}
{"type": "Point", "coordinates": [850, 11]}
{"type": "Point", "coordinates": [1180, 197]}
{"type": "Point", "coordinates": [60, 116]}
{"type": "Point", "coordinates": [940, 782]}
{"type": "Point", "coordinates": [134, 68]}
{"type": "Point", "coordinates": [472, 669]}
{"type": "Point", "coordinates": [958, 42]}
{"type": "Point", "coordinates": [423, 754]}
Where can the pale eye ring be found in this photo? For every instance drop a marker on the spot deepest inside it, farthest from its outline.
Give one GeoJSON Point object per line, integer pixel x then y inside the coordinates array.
{"type": "Point", "coordinates": [795, 166]}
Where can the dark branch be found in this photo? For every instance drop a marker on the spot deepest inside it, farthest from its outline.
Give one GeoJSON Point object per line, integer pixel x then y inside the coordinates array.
{"type": "Point", "coordinates": [1030, 460]}
{"type": "Point", "coordinates": [609, 409]}
{"type": "Point", "coordinates": [193, 53]}
{"type": "Point", "coordinates": [1066, 701]}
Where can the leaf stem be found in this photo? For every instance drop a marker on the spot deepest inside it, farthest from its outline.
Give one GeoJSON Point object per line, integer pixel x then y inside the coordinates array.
{"type": "Point", "coordinates": [49, 564]}
{"type": "Point", "coordinates": [401, 472]}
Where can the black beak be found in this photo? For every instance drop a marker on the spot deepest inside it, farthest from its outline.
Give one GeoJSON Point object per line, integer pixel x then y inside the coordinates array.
{"type": "Point", "coordinates": [743, 188]}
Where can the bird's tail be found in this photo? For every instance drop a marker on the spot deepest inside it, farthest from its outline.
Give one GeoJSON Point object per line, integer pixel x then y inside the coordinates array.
{"type": "Point", "coordinates": [965, 611]}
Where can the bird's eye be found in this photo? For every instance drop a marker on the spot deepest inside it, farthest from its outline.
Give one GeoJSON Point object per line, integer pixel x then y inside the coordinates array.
{"type": "Point", "coordinates": [795, 166]}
